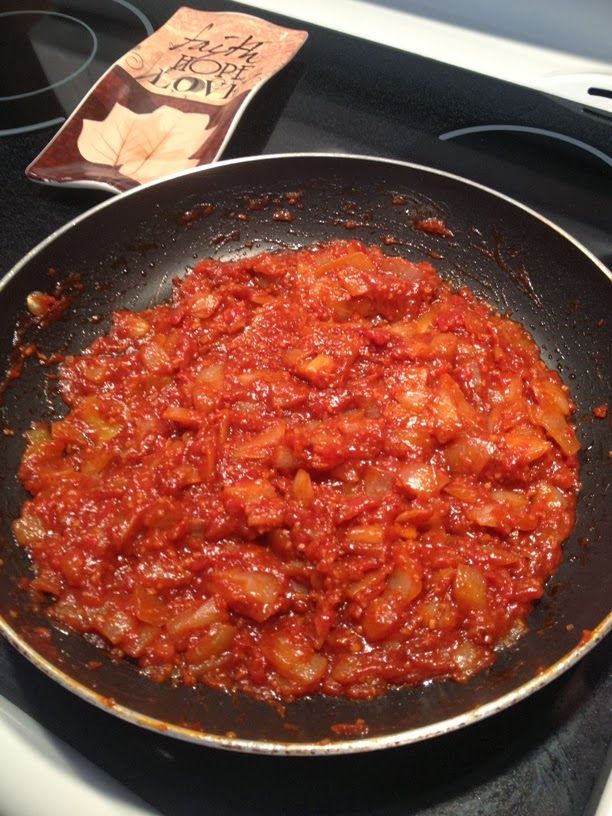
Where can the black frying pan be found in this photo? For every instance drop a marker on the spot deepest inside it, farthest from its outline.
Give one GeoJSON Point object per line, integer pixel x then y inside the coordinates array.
{"type": "Point", "coordinates": [125, 253]}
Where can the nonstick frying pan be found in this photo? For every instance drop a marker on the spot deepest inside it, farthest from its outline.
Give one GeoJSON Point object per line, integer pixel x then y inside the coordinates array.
{"type": "Point", "coordinates": [124, 254]}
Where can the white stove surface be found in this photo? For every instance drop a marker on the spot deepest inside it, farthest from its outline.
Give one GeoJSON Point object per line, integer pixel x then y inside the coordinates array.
{"type": "Point", "coordinates": [529, 43]}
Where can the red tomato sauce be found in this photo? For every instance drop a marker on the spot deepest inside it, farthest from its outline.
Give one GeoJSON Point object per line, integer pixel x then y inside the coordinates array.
{"type": "Point", "coordinates": [320, 471]}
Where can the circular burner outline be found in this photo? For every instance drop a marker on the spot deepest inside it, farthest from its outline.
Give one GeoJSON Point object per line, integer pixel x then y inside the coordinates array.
{"type": "Point", "coordinates": [138, 13]}
{"type": "Point", "coordinates": [81, 68]}
{"type": "Point", "coordinates": [39, 125]}
{"type": "Point", "coordinates": [466, 131]}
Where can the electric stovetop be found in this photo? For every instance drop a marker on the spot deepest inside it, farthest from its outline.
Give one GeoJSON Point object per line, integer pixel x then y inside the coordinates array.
{"type": "Point", "coordinates": [340, 94]}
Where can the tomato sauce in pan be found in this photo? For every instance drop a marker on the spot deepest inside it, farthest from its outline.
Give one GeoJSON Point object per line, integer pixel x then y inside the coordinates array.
{"type": "Point", "coordinates": [320, 471]}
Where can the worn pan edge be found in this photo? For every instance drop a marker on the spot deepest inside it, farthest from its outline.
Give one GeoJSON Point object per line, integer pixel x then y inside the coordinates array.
{"type": "Point", "coordinates": [305, 749]}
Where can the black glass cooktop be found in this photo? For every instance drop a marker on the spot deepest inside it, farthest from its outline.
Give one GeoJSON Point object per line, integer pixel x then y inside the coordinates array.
{"type": "Point", "coordinates": [53, 52]}
{"type": "Point", "coordinates": [339, 94]}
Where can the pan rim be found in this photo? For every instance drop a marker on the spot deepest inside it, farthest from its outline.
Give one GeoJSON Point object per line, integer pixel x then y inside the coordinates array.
{"type": "Point", "coordinates": [318, 748]}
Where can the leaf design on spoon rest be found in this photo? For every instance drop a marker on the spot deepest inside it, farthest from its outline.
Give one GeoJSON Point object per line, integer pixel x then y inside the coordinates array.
{"type": "Point", "coordinates": [144, 146]}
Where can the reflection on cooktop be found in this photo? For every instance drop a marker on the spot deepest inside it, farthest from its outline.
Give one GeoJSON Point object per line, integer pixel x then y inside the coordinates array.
{"type": "Point", "coordinates": [61, 46]}
{"type": "Point", "coordinates": [53, 56]}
